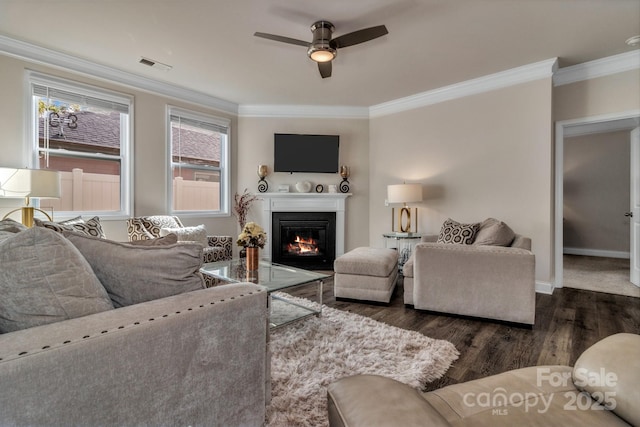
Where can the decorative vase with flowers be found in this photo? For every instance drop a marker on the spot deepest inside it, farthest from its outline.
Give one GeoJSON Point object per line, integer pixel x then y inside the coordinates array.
{"type": "Point", "coordinates": [252, 238]}
{"type": "Point", "coordinates": [241, 206]}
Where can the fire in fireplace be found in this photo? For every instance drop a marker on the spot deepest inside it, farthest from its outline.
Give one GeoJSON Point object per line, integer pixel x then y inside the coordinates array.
{"type": "Point", "coordinates": [302, 246]}
{"type": "Point", "coordinates": [304, 239]}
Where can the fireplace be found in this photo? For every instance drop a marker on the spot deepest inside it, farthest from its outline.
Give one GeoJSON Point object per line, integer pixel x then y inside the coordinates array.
{"type": "Point", "coordinates": [304, 239]}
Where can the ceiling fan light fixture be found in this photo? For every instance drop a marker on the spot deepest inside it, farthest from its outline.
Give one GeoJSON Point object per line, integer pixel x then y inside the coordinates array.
{"type": "Point", "coordinates": [322, 53]}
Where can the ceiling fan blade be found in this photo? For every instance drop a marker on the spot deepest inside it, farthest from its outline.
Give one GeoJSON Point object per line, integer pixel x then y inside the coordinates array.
{"type": "Point", "coordinates": [359, 36]}
{"type": "Point", "coordinates": [325, 69]}
{"type": "Point", "coordinates": [282, 39]}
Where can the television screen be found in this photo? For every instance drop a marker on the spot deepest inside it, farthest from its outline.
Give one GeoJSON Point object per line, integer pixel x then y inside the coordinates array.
{"type": "Point", "coordinates": [306, 153]}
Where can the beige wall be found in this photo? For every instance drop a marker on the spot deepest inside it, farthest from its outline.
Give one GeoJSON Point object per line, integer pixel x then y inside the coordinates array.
{"type": "Point", "coordinates": [602, 95]}
{"type": "Point", "coordinates": [596, 191]}
{"type": "Point", "coordinates": [486, 155]}
{"type": "Point", "coordinates": [256, 147]}
{"type": "Point", "coordinates": [150, 176]}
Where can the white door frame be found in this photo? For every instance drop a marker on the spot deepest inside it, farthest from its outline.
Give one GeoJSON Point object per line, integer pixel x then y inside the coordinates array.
{"type": "Point", "coordinates": [627, 120]}
{"type": "Point", "coordinates": [635, 206]}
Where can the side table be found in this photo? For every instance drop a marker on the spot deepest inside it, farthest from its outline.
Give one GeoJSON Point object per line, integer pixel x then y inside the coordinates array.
{"type": "Point", "coordinates": [404, 244]}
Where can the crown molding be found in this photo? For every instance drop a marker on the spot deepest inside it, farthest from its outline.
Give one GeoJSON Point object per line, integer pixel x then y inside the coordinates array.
{"type": "Point", "coordinates": [304, 111]}
{"type": "Point", "coordinates": [598, 68]}
{"type": "Point", "coordinates": [514, 76]}
{"type": "Point", "coordinates": [48, 57]}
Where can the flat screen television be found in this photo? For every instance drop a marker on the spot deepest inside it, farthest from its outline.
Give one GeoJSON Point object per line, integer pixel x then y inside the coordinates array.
{"type": "Point", "coordinates": [305, 153]}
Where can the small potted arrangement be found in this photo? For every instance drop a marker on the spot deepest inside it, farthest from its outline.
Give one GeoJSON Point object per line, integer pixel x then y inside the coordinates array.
{"type": "Point", "coordinates": [252, 239]}
{"type": "Point", "coordinates": [241, 206]}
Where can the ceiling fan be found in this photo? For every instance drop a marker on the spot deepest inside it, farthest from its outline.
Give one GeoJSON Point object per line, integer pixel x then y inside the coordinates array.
{"type": "Point", "coordinates": [323, 49]}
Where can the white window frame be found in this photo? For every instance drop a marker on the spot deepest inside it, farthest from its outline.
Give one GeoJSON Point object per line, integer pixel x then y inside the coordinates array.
{"type": "Point", "coordinates": [223, 169]}
{"type": "Point", "coordinates": [33, 79]}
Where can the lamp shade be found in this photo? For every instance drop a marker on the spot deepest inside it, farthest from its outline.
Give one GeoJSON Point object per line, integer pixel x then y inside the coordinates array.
{"type": "Point", "coordinates": [19, 183]}
{"type": "Point", "coordinates": [404, 193]}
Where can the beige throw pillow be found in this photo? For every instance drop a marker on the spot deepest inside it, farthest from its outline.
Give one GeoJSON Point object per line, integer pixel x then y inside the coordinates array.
{"type": "Point", "coordinates": [188, 234]}
{"type": "Point", "coordinates": [132, 274]}
{"type": "Point", "coordinates": [494, 233]}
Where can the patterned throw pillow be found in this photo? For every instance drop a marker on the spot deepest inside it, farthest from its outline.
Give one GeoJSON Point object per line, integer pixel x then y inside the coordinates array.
{"type": "Point", "coordinates": [457, 233]}
{"type": "Point", "coordinates": [91, 227]}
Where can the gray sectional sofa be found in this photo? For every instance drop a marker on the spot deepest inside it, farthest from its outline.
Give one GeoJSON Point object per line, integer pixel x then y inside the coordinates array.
{"type": "Point", "coordinates": [197, 357]}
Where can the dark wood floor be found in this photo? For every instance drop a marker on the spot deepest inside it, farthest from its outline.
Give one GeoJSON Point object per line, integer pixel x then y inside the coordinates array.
{"type": "Point", "coordinates": [567, 322]}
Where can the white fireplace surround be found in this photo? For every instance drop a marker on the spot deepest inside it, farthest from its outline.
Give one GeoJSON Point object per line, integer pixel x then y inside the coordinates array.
{"type": "Point", "coordinates": [303, 202]}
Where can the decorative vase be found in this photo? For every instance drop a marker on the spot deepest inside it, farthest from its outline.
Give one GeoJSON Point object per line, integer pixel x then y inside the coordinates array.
{"type": "Point", "coordinates": [252, 258]}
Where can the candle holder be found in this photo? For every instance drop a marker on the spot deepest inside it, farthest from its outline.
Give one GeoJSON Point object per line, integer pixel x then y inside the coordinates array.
{"type": "Point", "coordinates": [344, 173]}
{"type": "Point", "coordinates": [262, 173]}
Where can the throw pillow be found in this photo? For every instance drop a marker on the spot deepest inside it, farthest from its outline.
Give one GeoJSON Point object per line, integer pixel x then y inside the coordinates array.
{"type": "Point", "coordinates": [132, 274]}
{"type": "Point", "coordinates": [45, 279]}
{"type": "Point", "coordinates": [494, 233]}
{"type": "Point", "coordinates": [169, 239]}
{"type": "Point", "coordinates": [12, 226]}
{"type": "Point", "coordinates": [457, 233]}
{"type": "Point", "coordinates": [188, 234]}
{"type": "Point", "coordinates": [91, 227]}
{"type": "Point", "coordinates": [9, 227]}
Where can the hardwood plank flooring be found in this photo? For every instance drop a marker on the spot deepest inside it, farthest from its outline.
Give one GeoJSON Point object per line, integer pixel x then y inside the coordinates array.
{"type": "Point", "coordinates": [567, 322]}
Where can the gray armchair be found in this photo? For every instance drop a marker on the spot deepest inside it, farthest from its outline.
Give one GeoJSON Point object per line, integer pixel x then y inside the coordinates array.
{"type": "Point", "coordinates": [492, 282]}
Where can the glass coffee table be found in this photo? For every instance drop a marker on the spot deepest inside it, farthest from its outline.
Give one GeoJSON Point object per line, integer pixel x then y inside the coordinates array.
{"type": "Point", "coordinates": [275, 277]}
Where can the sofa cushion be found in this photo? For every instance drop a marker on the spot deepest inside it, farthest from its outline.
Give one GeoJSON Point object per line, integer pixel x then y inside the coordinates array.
{"type": "Point", "coordinates": [132, 274]}
{"type": "Point", "coordinates": [90, 227]}
{"type": "Point", "coordinates": [494, 233]}
{"type": "Point", "coordinates": [365, 261]}
{"type": "Point", "coordinates": [45, 279]}
{"type": "Point", "coordinates": [188, 234]}
{"type": "Point", "coordinates": [457, 233]}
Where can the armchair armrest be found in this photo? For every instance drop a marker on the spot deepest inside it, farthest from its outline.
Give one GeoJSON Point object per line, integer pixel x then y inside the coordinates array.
{"type": "Point", "coordinates": [185, 360]}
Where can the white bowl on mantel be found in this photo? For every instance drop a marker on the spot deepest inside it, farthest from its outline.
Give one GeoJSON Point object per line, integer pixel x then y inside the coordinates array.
{"type": "Point", "coordinates": [303, 186]}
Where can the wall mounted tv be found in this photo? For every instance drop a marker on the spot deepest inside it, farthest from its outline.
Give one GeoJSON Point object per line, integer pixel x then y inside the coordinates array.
{"type": "Point", "coordinates": [305, 153]}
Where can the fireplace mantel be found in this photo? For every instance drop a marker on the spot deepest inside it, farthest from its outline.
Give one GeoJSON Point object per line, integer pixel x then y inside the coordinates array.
{"type": "Point", "coordinates": [304, 202]}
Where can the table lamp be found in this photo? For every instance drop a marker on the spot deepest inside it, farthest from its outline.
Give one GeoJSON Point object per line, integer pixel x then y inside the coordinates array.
{"type": "Point", "coordinates": [28, 183]}
{"type": "Point", "coordinates": [404, 193]}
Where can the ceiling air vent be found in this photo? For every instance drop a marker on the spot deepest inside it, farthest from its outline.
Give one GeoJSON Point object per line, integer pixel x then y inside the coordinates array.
{"type": "Point", "coordinates": [155, 64]}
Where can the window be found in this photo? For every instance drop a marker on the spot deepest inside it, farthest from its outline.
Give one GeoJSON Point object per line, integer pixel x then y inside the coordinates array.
{"type": "Point", "coordinates": [84, 132]}
{"type": "Point", "coordinates": [198, 153]}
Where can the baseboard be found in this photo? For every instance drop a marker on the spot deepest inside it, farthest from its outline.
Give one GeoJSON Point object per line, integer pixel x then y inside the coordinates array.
{"type": "Point", "coordinates": [596, 252]}
{"type": "Point", "coordinates": [544, 287]}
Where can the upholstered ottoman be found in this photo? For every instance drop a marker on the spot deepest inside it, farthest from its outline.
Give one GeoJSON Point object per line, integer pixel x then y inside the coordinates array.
{"type": "Point", "coordinates": [366, 274]}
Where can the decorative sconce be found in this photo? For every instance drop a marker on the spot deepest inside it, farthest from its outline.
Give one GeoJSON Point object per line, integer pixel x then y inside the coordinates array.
{"type": "Point", "coordinates": [28, 183]}
{"type": "Point", "coordinates": [263, 171]}
{"type": "Point", "coordinates": [404, 193]}
{"type": "Point", "coordinates": [344, 173]}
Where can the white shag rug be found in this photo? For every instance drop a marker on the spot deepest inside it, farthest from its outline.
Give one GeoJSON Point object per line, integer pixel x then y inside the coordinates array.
{"type": "Point", "coordinates": [308, 355]}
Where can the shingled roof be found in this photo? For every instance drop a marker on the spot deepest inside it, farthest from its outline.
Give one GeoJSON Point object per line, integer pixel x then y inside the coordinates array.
{"type": "Point", "coordinates": [103, 130]}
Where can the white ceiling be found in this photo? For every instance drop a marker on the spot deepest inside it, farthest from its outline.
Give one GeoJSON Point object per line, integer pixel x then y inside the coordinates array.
{"type": "Point", "coordinates": [431, 43]}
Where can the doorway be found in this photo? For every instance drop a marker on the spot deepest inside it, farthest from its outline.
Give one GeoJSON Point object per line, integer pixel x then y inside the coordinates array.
{"type": "Point", "coordinates": [622, 122]}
